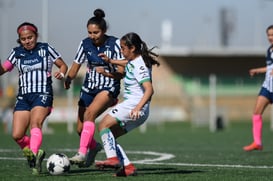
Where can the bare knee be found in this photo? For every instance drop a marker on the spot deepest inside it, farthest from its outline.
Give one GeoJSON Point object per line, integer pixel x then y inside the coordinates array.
{"type": "Point", "coordinates": [17, 136]}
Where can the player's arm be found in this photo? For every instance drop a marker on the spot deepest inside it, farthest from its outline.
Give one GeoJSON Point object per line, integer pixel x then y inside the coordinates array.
{"type": "Point", "coordinates": [2, 70]}
{"type": "Point", "coordinates": [148, 93]}
{"type": "Point", "coordinates": [72, 73]}
{"type": "Point", "coordinates": [259, 70]}
{"type": "Point", "coordinates": [118, 62]}
{"type": "Point", "coordinates": [62, 69]}
{"type": "Point", "coordinates": [119, 74]}
{"type": "Point", "coordinates": [115, 62]}
{"type": "Point", "coordinates": [5, 67]}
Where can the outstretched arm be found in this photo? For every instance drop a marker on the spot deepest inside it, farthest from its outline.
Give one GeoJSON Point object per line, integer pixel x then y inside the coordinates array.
{"type": "Point", "coordinates": [115, 62]}
{"type": "Point", "coordinates": [254, 71]}
{"type": "Point", "coordinates": [62, 69]}
{"type": "Point", "coordinates": [72, 73]}
{"type": "Point", "coordinates": [119, 74]}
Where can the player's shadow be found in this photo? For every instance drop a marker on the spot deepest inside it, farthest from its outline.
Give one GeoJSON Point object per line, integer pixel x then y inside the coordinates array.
{"type": "Point", "coordinates": [141, 171]}
{"type": "Point", "coordinates": [164, 171]}
{"type": "Point", "coordinates": [88, 171]}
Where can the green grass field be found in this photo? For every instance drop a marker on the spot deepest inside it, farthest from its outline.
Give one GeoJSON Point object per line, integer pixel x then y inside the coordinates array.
{"type": "Point", "coordinates": [197, 154]}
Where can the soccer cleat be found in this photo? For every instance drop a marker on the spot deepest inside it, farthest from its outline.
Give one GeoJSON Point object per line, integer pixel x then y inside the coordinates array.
{"type": "Point", "coordinates": [129, 170]}
{"type": "Point", "coordinates": [109, 163]}
{"type": "Point", "coordinates": [78, 159]}
{"type": "Point", "coordinates": [30, 156]}
{"type": "Point", "coordinates": [253, 146]}
{"type": "Point", "coordinates": [91, 156]}
{"type": "Point", "coordinates": [38, 162]}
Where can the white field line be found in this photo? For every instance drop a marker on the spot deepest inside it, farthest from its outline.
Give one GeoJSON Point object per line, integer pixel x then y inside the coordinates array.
{"type": "Point", "coordinates": [152, 161]}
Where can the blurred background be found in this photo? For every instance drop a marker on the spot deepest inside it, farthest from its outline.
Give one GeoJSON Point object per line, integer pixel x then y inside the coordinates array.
{"type": "Point", "coordinates": [206, 48]}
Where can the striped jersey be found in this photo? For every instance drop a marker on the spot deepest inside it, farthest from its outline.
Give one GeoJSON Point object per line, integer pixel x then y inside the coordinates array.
{"type": "Point", "coordinates": [34, 68]}
{"type": "Point", "coordinates": [88, 52]}
{"type": "Point", "coordinates": [268, 82]}
{"type": "Point", "coordinates": [136, 74]}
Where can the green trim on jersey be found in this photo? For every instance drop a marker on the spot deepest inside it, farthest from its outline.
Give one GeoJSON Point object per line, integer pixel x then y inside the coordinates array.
{"type": "Point", "coordinates": [145, 80]}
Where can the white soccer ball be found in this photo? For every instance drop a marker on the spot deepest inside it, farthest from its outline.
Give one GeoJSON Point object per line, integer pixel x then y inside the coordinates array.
{"type": "Point", "coordinates": [57, 164]}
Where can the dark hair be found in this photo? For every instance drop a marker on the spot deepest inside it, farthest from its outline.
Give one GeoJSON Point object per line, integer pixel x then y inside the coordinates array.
{"type": "Point", "coordinates": [98, 19]}
{"type": "Point", "coordinates": [269, 27]}
{"type": "Point", "coordinates": [33, 28]}
{"type": "Point", "coordinates": [149, 57]}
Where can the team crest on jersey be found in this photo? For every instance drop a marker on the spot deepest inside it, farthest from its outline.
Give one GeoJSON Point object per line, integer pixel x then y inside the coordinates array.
{"type": "Point", "coordinates": [42, 52]}
{"type": "Point", "coordinates": [108, 52]}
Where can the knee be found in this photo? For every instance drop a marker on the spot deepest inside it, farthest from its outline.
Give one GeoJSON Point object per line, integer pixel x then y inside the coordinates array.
{"type": "Point", "coordinates": [17, 136]}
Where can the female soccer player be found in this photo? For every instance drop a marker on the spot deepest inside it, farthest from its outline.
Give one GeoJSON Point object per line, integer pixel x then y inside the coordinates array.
{"type": "Point", "coordinates": [34, 61]}
{"type": "Point", "coordinates": [134, 110]}
{"type": "Point", "coordinates": [99, 91]}
{"type": "Point", "coordinates": [265, 96]}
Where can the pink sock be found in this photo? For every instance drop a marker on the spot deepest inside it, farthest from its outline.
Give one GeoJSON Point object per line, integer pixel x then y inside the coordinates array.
{"type": "Point", "coordinates": [257, 128]}
{"type": "Point", "coordinates": [92, 144]}
{"type": "Point", "coordinates": [23, 142]}
{"type": "Point", "coordinates": [35, 139]}
{"type": "Point", "coordinates": [86, 135]}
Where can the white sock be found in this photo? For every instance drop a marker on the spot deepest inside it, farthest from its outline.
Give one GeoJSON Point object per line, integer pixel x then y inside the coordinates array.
{"type": "Point", "coordinates": [125, 160]}
{"type": "Point", "coordinates": [109, 143]}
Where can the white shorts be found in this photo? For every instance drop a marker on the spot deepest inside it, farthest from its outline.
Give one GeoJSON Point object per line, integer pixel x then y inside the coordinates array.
{"type": "Point", "coordinates": [121, 112]}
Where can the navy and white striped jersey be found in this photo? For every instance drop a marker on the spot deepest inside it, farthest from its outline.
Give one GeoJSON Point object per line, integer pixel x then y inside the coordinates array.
{"type": "Point", "coordinates": [268, 82]}
{"type": "Point", "coordinates": [88, 52]}
{"type": "Point", "coordinates": [34, 67]}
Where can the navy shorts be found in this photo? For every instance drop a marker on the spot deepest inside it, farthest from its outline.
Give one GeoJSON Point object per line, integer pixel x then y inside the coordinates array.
{"type": "Point", "coordinates": [87, 98]}
{"type": "Point", "coordinates": [264, 92]}
{"type": "Point", "coordinates": [28, 101]}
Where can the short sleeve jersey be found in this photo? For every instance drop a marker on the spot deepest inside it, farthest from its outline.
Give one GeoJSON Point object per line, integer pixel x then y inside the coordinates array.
{"type": "Point", "coordinates": [268, 82]}
{"type": "Point", "coordinates": [34, 68]}
{"type": "Point", "coordinates": [88, 53]}
{"type": "Point", "coordinates": [136, 74]}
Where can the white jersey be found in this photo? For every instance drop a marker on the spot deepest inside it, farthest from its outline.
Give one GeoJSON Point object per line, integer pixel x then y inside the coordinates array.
{"type": "Point", "coordinates": [136, 73]}
{"type": "Point", "coordinates": [268, 82]}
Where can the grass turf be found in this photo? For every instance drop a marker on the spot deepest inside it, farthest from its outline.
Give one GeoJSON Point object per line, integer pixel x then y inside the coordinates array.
{"type": "Point", "coordinates": [199, 154]}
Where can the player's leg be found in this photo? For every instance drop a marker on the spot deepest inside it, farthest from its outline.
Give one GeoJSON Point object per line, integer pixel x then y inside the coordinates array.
{"type": "Point", "coordinates": [257, 124]}
{"type": "Point", "coordinates": [37, 118]}
{"type": "Point", "coordinates": [128, 169]}
{"type": "Point", "coordinates": [100, 103]}
{"type": "Point", "coordinates": [81, 110]}
{"type": "Point", "coordinates": [19, 128]}
{"type": "Point", "coordinates": [109, 143]}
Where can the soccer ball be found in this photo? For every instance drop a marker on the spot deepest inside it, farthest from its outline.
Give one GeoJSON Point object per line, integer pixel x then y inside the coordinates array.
{"type": "Point", "coordinates": [57, 164]}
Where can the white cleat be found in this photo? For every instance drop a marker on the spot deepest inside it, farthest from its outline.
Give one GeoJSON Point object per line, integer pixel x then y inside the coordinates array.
{"type": "Point", "coordinates": [79, 158]}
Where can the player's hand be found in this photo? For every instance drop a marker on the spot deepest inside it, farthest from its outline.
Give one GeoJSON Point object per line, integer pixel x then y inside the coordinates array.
{"type": "Point", "coordinates": [135, 114]}
{"type": "Point", "coordinates": [104, 57]}
{"type": "Point", "coordinates": [252, 72]}
{"type": "Point", "coordinates": [67, 83]}
{"type": "Point", "coordinates": [59, 75]}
